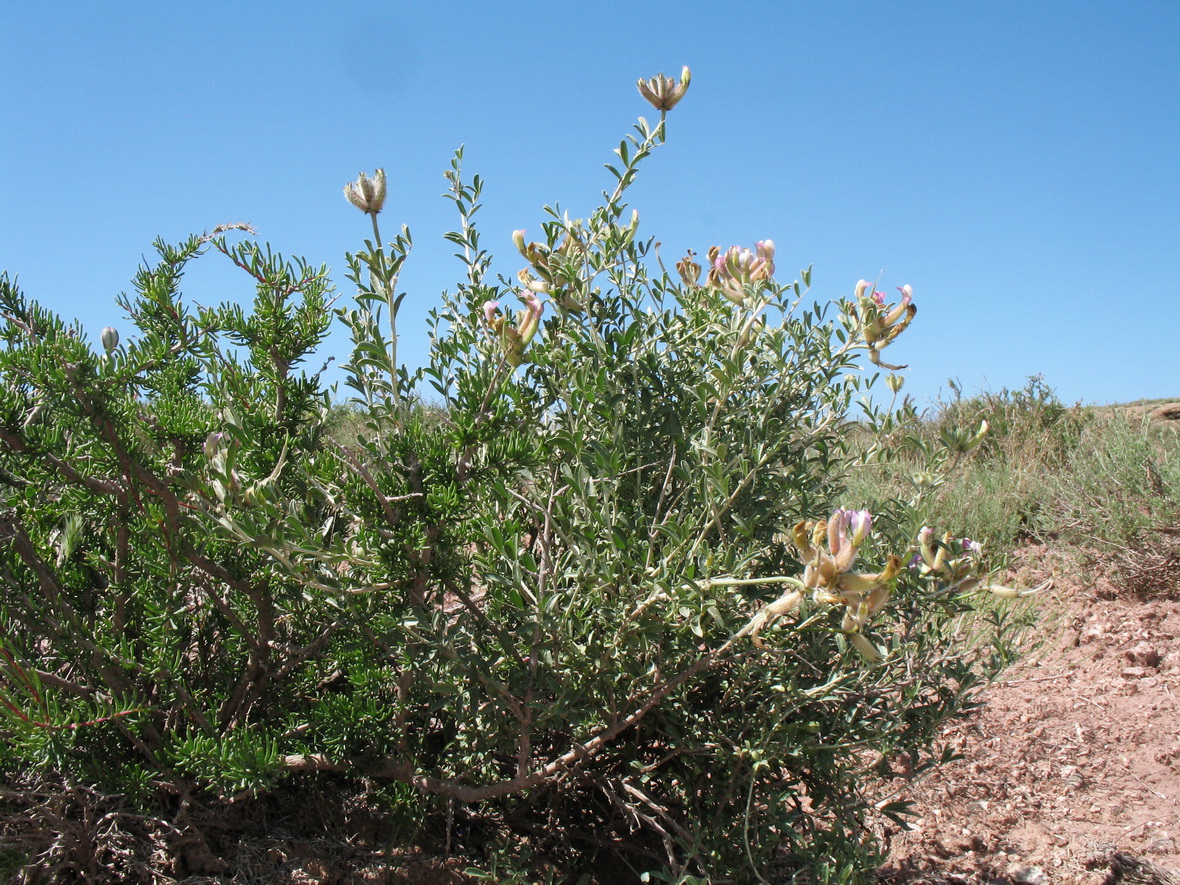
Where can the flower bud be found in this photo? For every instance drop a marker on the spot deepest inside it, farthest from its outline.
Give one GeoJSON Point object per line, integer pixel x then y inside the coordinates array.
{"type": "Point", "coordinates": [926, 545]}
{"type": "Point", "coordinates": [867, 650]}
{"type": "Point", "coordinates": [367, 194]}
{"type": "Point", "coordinates": [974, 442]}
{"type": "Point", "coordinates": [801, 536]}
{"type": "Point", "coordinates": [765, 249]}
{"type": "Point", "coordinates": [837, 526]}
{"type": "Point", "coordinates": [902, 309]}
{"type": "Point", "coordinates": [213, 444]}
{"type": "Point", "coordinates": [860, 522]}
{"type": "Point", "coordinates": [109, 338]}
{"type": "Point", "coordinates": [489, 311]}
{"type": "Point", "coordinates": [689, 270]}
{"type": "Point", "coordinates": [532, 283]}
{"type": "Point", "coordinates": [895, 382]}
{"type": "Point", "coordinates": [940, 554]}
{"type": "Point", "coordinates": [959, 442]}
{"type": "Point", "coordinates": [1015, 593]}
{"type": "Point", "coordinates": [516, 340]}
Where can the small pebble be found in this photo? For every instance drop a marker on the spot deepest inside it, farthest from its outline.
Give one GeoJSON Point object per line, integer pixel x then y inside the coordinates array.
{"type": "Point", "coordinates": [1029, 876]}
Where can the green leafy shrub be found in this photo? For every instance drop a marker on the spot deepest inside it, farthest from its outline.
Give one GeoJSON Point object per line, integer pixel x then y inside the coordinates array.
{"type": "Point", "coordinates": [584, 605]}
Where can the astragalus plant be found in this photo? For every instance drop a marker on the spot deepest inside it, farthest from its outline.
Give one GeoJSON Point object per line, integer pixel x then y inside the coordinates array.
{"type": "Point", "coordinates": [584, 585]}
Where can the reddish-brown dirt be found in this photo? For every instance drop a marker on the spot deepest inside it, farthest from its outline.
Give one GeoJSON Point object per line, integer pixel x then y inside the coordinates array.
{"type": "Point", "coordinates": [1075, 753]}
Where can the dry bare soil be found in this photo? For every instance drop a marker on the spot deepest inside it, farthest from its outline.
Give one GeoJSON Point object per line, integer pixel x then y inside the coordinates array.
{"type": "Point", "coordinates": [1074, 755]}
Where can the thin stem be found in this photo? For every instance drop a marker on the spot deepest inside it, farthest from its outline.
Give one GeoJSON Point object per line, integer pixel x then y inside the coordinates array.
{"type": "Point", "coordinates": [387, 287]}
{"type": "Point", "coordinates": [376, 230]}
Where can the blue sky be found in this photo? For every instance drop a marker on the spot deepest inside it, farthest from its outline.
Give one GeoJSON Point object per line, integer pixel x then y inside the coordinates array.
{"type": "Point", "coordinates": [1017, 163]}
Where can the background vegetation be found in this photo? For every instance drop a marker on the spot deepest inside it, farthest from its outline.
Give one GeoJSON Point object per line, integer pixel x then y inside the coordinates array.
{"type": "Point", "coordinates": [1103, 482]}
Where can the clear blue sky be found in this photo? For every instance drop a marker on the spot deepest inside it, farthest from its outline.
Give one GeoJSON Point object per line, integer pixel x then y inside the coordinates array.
{"type": "Point", "coordinates": [1018, 163]}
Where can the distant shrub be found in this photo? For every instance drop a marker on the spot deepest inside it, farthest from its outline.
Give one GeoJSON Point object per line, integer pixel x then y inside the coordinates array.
{"type": "Point", "coordinates": [1026, 428]}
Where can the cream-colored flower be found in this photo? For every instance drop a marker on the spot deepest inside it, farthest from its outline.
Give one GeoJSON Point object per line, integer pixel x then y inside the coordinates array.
{"type": "Point", "coordinates": [881, 323]}
{"type": "Point", "coordinates": [664, 92]}
{"type": "Point", "coordinates": [367, 194]}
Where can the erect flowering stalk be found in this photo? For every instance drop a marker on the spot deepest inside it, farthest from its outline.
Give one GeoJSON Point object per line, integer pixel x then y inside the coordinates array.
{"type": "Point", "coordinates": [514, 341]}
{"type": "Point", "coordinates": [881, 323]}
{"type": "Point", "coordinates": [736, 269]}
{"type": "Point", "coordinates": [368, 195]}
{"type": "Point", "coordinates": [664, 92]}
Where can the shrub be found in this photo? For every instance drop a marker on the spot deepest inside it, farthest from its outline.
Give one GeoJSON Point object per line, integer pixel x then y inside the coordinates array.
{"type": "Point", "coordinates": [584, 602]}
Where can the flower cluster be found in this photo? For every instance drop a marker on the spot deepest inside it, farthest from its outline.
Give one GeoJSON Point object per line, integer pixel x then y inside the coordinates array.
{"type": "Point", "coordinates": [733, 272]}
{"type": "Point", "coordinates": [957, 564]}
{"type": "Point", "coordinates": [367, 194]}
{"type": "Point", "coordinates": [664, 92]}
{"type": "Point", "coordinates": [555, 268]}
{"type": "Point", "coordinates": [881, 323]}
{"type": "Point", "coordinates": [514, 340]}
{"type": "Point", "coordinates": [827, 550]}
